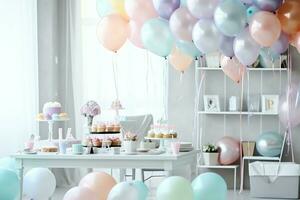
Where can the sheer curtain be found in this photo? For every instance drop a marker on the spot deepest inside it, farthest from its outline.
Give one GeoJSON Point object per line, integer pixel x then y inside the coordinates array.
{"type": "Point", "coordinates": [18, 73]}
{"type": "Point", "coordinates": [139, 74]}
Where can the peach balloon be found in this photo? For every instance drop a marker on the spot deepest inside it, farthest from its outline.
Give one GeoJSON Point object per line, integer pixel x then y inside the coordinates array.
{"type": "Point", "coordinates": [99, 182]}
{"type": "Point", "coordinates": [292, 39]}
{"type": "Point", "coordinates": [112, 32]}
{"type": "Point", "coordinates": [297, 41]}
{"type": "Point", "coordinates": [135, 33]}
{"type": "Point", "coordinates": [232, 68]}
{"type": "Point", "coordinates": [140, 10]}
{"type": "Point", "coordinates": [118, 6]}
{"type": "Point", "coordinates": [289, 16]}
{"type": "Point", "coordinates": [265, 28]}
{"type": "Point", "coordinates": [179, 60]}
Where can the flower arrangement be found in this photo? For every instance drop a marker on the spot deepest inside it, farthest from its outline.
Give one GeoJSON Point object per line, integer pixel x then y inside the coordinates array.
{"type": "Point", "coordinates": [209, 148]}
{"type": "Point", "coordinates": [90, 110]}
{"type": "Point", "coordinates": [130, 136]}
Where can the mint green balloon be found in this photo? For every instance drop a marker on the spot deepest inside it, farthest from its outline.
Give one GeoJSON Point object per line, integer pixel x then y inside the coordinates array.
{"type": "Point", "coordinates": [103, 8]}
{"type": "Point", "coordinates": [9, 184]}
{"type": "Point", "coordinates": [183, 2]}
{"type": "Point", "coordinates": [157, 37]}
{"type": "Point", "coordinates": [175, 188]}
{"type": "Point", "coordinates": [8, 163]}
{"type": "Point", "coordinates": [142, 189]}
{"type": "Point", "coordinates": [209, 186]}
{"type": "Point", "coordinates": [188, 48]}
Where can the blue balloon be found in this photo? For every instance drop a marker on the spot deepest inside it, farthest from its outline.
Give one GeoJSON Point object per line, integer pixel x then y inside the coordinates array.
{"type": "Point", "coordinates": [9, 185]}
{"type": "Point", "coordinates": [157, 37]}
{"type": "Point", "coordinates": [269, 144]}
{"type": "Point", "coordinates": [209, 186]}
{"type": "Point", "coordinates": [8, 163]}
{"type": "Point", "coordinates": [269, 54]}
{"type": "Point", "coordinates": [188, 48]}
{"type": "Point", "coordinates": [250, 12]}
{"type": "Point", "coordinates": [103, 8]}
{"type": "Point", "coordinates": [183, 2]}
{"type": "Point", "coordinates": [231, 17]}
{"type": "Point", "coordinates": [142, 189]}
{"type": "Point", "coordinates": [268, 5]}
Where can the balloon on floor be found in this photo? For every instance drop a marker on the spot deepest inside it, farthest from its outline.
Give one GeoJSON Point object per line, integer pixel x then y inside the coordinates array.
{"type": "Point", "coordinates": [209, 186]}
{"type": "Point", "coordinates": [175, 188]}
{"type": "Point", "coordinates": [229, 150]}
{"type": "Point", "coordinates": [9, 184]}
{"type": "Point", "coordinates": [142, 189]}
{"type": "Point", "coordinates": [99, 182]}
{"type": "Point", "coordinates": [269, 144]}
{"type": "Point", "coordinates": [8, 163]}
{"type": "Point", "coordinates": [123, 190]}
{"type": "Point", "coordinates": [80, 193]}
{"type": "Point", "coordinates": [39, 183]}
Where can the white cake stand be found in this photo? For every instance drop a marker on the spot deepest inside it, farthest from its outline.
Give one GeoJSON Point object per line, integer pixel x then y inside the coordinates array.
{"type": "Point", "coordinates": [50, 126]}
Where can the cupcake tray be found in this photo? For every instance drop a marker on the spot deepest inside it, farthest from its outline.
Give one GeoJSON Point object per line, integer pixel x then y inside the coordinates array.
{"type": "Point", "coordinates": [104, 147]}
{"type": "Point", "coordinates": [106, 132]}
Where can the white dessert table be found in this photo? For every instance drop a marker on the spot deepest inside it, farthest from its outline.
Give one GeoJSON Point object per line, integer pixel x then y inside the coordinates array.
{"type": "Point", "coordinates": [168, 162]}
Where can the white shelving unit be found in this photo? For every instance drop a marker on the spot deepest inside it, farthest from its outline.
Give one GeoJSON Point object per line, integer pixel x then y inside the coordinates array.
{"type": "Point", "coordinates": [250, 69]}
{"type": "Point", "coordinates": [235, 113]}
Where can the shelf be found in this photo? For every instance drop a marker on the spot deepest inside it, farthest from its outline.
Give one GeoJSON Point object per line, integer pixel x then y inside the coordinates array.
{"type": "Point", "coordinates": [261, 158]}
{"type": "Point", "coordinates": [218, 166]}
{"type": "Point", "coordinates": [250, 69]}
{"type": "Point", "coordinates": [105, 133]}
{"type": "Point", "coordinates": [236, 113]}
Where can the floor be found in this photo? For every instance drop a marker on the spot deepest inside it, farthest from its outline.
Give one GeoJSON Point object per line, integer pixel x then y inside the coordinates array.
{"type": "Point", "coordinates": [231, 195]}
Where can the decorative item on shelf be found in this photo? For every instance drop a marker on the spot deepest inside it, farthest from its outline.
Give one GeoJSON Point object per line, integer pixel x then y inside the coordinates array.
{"type": "Point", "coordinates": [269, 103]}
{"type": "Point", "coordinates": [211, 103]}
{"type": "Point", "coordinates": [229, 149]}
{"type": "Point", "coordinates": [130, 142]}
{"type": "Point", "coordinates": [90, 110]}
{"type": "Point", "coordinates": [248, 148]}
{"type": "Point", "coordinates": [269, 144]}
{"type": "Point", "coordinates": [234, 103]}
{"type": "Point", "coordinates": [213, 60]}
{"type": "Point", "coordinates": [210, 154]}
{"type": "Point", "coordinates": [253, 103]}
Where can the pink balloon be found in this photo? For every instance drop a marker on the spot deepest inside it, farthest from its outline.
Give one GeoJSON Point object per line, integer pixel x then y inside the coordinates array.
{"type": "Point", "coordinates": [80, 193]}
{"type": "Point", "coordinates": [229, 150]}
{"type": "Point", "coordinates": [135, 33]}
{"type": "Point", "coordinates": [140, 10]}
{"type": "Point", "coordinates": [99, 182]}
{"type": "Point", "coordinates": [233, 68]}
{"type": "Point", "coordinates": [182, 23]}
{"type": "Point", "coordinates": [112, 32]}
{"type": "Point", "coordinates": [265, 28]}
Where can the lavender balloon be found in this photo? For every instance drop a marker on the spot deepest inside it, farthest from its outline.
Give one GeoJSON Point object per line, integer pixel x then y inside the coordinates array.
{"type": "Point", "coordinates": [289, 106]}
{"type": "Point", "coordinates": [206, 36]}
{"type": "Point", "coordinates": [226, 46]}
{"type": "Point", "coordinates": [268, 5]}
{"type": "Point", "coordinates": [245, 48]}
{"type": "Point", "coordinates": [281, 45]}
{"type": "Point", "coordinates": [165, 8]}
{"type": "Point", "coordinates": [229, 150]}
{"type": "Point", "coordinates": [202, 8]}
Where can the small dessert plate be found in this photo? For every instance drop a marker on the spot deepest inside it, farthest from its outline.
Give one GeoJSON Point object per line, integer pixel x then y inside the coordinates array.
{"type": "Point", "coordinates": [144, 150]}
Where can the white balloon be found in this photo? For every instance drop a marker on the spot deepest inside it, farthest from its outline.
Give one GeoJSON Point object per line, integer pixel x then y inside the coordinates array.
{"type": "Point", "coordinates": [206, 36]}
{"type": "Point", "coordinates": [39, 183]}
{"type": "Point", "coordinates": [123, 190]}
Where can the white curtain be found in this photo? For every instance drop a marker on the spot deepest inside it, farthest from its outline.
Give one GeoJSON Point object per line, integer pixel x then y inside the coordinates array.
{"type": "Point", "coordinates": [18, 73]}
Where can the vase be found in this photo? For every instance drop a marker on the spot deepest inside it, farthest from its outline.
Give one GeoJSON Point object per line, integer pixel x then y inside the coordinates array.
{"type": "Point", "coordinates": [210, 158]}
{"type": "Point", "coordinates": [129, 146]}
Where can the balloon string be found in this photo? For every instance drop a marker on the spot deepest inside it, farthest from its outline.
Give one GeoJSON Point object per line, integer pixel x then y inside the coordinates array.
{"type": "Point", "coordinates": [261, 93]}
{"type": "Point", "coordinates": [224, 107]}
{"type": "Point", "coordinates": [114, 63]}
{"type": "Point", "coordinates": [248, 98]}
{"type": "Point", "coordinates": [280, 91]}
{"type": "Point", "coordinates": [147, 72]}
{"type": "Point", "coordinates": [166, 87]}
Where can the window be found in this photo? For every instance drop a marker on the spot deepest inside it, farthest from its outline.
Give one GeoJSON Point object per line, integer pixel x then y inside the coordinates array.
{"type": "Point", "coordinates": [140, 74]}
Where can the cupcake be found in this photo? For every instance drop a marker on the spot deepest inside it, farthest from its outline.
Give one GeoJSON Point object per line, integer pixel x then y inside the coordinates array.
{"type": "Point", "coordinates": [174, 135]}
{"type": "Point", "coordinates": [115, 141]}
{"type": "Point", "coordinates": [117, 127]}
{"type": "Point", "coordinates": [86, 142]}
{"type": "Point", "coordinates": [167, 135]}
{"type": "Point", "coordinates": [94, 129]}
{"type": "Point", "coordinates": [151, 134]}
{"type": "Point", "coordinates": [110, 128]}
{"type": "Point", "coordinates": [101, 128]}
{"type": "Point", "coordinates": [97, 142]}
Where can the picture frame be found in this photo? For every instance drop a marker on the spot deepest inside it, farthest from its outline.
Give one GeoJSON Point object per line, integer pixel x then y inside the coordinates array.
{"type": "Point", "coordinates": [211, 103]}
{"type": "Point", "coordinates": [269, 104]}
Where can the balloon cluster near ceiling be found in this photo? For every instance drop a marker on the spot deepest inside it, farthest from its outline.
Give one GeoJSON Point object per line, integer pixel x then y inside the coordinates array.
{"type": "Point", "coordinates": [239, 29]}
